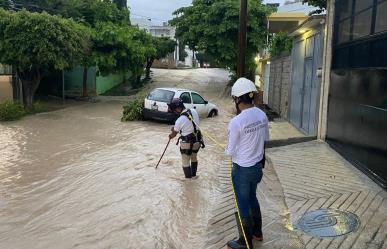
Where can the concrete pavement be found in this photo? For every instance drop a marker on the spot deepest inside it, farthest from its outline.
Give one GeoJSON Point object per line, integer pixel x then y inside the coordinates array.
{"type": "Point", "coordinates": [314, 176]}
{"type": "Point", "coordinates": [300, 178]}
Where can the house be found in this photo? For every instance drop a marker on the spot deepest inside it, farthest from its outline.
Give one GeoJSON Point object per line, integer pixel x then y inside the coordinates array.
{"type": "Point", "coordinates": [353, 106]}
{"type": "Point", "coordinates": [163, 30]}
{"type": "Point", "coordinates": [287, 18]}
{"type": "Point", "coordinates": [172, 60]}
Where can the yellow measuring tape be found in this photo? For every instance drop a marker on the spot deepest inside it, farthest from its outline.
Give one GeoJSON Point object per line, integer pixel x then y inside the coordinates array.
{"type": "Point", "coordinates": [222, 146]}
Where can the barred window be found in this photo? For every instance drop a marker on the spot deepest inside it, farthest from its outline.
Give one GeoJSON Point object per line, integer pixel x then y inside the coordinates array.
{"type": "Point", "coordinates": [381, 14]}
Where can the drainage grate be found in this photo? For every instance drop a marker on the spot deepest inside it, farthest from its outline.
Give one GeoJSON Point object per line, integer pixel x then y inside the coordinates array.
{"type": "Point", "coordinates": [328, 223]}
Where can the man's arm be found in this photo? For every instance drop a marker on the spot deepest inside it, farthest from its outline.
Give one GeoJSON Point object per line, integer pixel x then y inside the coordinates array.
{"type": "Point", "coordinates": [233, 137]}
{"type": "Point", "coordinates": [176, 129]}
{"type": "Point", "coordinates": [173, 133]}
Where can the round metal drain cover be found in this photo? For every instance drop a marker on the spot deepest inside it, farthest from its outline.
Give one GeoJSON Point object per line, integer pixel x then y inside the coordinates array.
{"type": "Point", "coordinates": [328, 223]}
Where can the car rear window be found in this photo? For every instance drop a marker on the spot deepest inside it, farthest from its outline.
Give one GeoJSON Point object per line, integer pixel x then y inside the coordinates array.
{"type": "Point", "coordinates": [161, 95]}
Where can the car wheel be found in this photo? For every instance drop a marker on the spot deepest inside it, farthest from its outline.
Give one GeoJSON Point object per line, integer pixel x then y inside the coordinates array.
{"type": "Point", "coordinates": [143, 117]}
{"type": "Point", "coordinates": [212, 114]}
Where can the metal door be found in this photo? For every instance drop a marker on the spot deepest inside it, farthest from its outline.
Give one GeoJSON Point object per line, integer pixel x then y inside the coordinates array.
{"type": "Point", "coordinates": [297, 83]}
{"type": "Point", "coordinates": [305, 90]}
{"type": "Point", "coordinates": [306, 95]}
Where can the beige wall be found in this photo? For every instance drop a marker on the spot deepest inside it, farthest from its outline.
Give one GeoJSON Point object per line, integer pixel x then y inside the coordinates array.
{"type": "Point", "coordinates": [6, 88]}
{"type": "Point", "coordinates": [169, 63]}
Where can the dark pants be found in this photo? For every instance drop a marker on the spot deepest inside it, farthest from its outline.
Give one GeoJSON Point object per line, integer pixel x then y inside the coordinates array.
{"type": "Point", "coordinates": [245, 180]}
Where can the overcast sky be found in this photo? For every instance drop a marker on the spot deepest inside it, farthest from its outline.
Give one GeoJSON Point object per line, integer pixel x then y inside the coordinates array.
{"type": "Point", "coordinates": [161, 10]}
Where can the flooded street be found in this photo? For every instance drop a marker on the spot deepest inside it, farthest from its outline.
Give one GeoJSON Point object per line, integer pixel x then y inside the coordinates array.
{"type": "Point", "coordinates": [80, 178]}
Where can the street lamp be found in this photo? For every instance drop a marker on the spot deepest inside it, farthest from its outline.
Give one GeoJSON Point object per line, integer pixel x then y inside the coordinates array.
{"type": "Point", "coordinates": [242, 39]}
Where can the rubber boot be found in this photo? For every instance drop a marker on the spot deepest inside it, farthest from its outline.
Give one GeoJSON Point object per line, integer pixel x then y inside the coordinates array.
{"type": "Point", "coordinates": [194, 168]}
{"type": "Point", "coordinates": [187, 172]}
{"type": "Point", "coordinates": [257, 224]}
{"type": "Point", "coordinates": [241, 243]}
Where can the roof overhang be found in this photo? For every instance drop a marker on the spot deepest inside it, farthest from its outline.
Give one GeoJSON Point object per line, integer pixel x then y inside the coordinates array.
{"type": "Point", "coordinates": [309, 24]}
{"type": "Point", "coordinates": [284, 22]}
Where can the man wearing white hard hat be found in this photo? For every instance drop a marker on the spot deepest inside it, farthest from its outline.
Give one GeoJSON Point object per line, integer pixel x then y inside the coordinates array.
{"type": "Point", "coordinates": [247, 134]}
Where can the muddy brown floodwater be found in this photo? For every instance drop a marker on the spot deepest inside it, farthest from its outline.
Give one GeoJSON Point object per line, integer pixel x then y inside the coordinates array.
{"type": "Point", "coordinates": [80, 178]}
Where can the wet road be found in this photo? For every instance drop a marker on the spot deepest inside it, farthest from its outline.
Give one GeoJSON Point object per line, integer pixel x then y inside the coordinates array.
{"type": "Point", "coordinates": [79, 178]}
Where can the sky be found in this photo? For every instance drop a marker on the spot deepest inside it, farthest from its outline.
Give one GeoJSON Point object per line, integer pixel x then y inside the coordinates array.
{"type": "Point", "coordinates": [161, 10]}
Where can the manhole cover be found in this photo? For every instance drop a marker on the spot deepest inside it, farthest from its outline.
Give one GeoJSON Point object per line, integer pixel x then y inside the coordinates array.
{"type": "Point", "coordinates": [328, 223]}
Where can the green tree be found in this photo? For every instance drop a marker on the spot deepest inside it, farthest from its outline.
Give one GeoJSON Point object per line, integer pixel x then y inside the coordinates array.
{"type": "Point", "coordinates": [164, 46]}
{"type": "Point", "coordinates": [121, 3]}
{"type": "Point", "coordinates": [322, 4]}
{"type": "Point", "coordinates": [34, 43]}
{"type": "Point", "coordinates": [121, 48]}
{"type": "Point", "coordinates": [93, 13]}
{"type": "Point", "coordinates": [182, 53]}
{"type": "Point", "coordinates": [212, 26]}
{"type": "Point", "coordinates": [87, 12]}
{"type": "Point", "coordinates": [281, 43]}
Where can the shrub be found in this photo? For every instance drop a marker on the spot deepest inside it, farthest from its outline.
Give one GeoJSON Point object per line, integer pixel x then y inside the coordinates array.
{"type": "Point", "coordinates": [280, 44]}
{"type": "Point", "coordinates": [133, 110]}
{"type": "Point", "coordinates": [10, 111]}
{"type": "Point", "coordinates": [40, 107]}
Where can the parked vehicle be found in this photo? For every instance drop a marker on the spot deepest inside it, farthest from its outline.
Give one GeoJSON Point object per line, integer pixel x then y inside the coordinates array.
{"type": "Point", "coordinates": [156, 104]}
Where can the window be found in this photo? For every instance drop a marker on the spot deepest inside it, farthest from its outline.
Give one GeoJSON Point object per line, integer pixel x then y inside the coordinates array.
{"type": "Point", "coordinates": [381, 14]}
{"type": "Point", "coordinates": [362, 5]}
{"type": "Point", "coordinates": [379, 48]}
{"type": "Point", "coordinates": [344, 31]}
{"type": "Point", "coordinates": [362, 24]}
{"type": "Point", "coordinates": [161, 95]}
{"type": "Point", "coordinates": [186, 98]}
{"type": "Point", "coordinates": [356, 19]}
{"type": "Point", "coordinates": [360, 34]}
{"type": "Point", "coordinates": [360, 55]}
{"type": "Point", "coordinates": [197, 99]}
{"type": "Point", "coordinates": [345, 9]}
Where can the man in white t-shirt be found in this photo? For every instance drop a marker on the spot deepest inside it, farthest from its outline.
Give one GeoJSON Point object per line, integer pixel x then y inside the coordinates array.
{"type": "Point", "coordinates": [187, 125]}
{"type": "Point", "coordinates": [247, 134]}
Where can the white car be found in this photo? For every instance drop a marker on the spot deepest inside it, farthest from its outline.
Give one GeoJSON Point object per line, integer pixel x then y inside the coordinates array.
{"type": "Point", "coordinates": [156, 104]}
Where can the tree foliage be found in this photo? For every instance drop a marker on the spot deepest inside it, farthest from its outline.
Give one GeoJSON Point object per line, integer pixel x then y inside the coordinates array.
{"type": "Point", "coordinates": [114, 45]}
{"type": "Point", "coordinates": [212, 26]}
{"type": "Point", "coordinates": [121, 3]}
{"type": "Point", "coordinates": [322, 4]}
{"type": "Point", "coordinates": [163, 47]}
{"type": "Point", "coordinates": [34, 43]}
{"type": "Point", "coordinates": [92, 12]}
{"type": "Point", "coordinates": [182, 53]}
{"type": "Point", "coordinates": [281, 43]}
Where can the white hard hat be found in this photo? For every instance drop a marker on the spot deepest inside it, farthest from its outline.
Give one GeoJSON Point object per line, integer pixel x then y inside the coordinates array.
{"type": "Point", "coordinates": [242, 86]}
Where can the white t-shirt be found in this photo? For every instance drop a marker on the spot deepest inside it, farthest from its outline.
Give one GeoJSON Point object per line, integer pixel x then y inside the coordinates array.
{"type": "Point", "coordinates": [184, 126]}
{"type": "Point", "coordinates": [247, 134]}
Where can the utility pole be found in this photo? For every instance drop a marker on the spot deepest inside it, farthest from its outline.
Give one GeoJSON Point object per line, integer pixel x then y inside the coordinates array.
{"type": "Point", "coordinates": [242, 39]}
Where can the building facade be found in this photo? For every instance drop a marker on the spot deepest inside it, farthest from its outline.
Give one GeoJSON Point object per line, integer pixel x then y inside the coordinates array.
{"type": "Point", "coordinates": [164, 30]}
{"type": "Point", "coordinates": [304, 93]}
{"type": "Point", "coordinates": [354, 105]}
{"type": "Point", "coordinates": [286, 19]}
